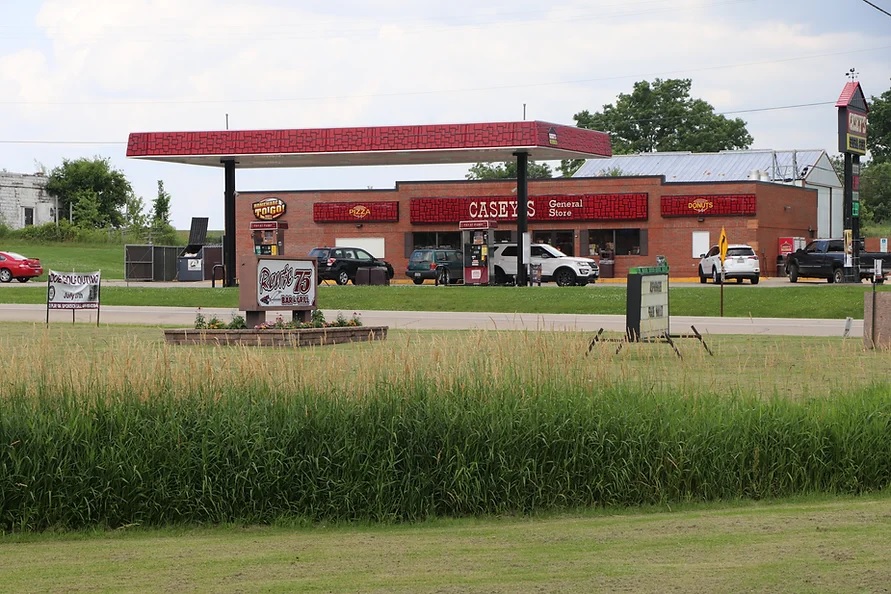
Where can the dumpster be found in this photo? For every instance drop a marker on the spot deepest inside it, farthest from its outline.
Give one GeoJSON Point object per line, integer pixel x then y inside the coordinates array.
{"type": "Point", "coordinates": [607, 269]}
{"type": "Point", "coordinates": [190, 264]}
{"type": "Point", "coordinates": [373, 275]}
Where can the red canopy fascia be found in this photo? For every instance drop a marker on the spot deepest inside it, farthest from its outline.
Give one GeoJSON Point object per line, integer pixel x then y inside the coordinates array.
{"type": "Point", "coordinates": [377, 145]}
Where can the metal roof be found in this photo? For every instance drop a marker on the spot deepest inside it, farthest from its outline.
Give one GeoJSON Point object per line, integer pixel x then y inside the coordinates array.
{"type": "Point", "coordinates": [685, 166]}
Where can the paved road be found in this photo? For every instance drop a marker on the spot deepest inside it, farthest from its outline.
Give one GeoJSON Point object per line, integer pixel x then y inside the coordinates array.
{"type": "Point", "coordinates": [185, 317]}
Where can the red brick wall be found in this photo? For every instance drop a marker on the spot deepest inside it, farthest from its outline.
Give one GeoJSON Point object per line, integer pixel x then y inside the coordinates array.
{"type": "Point", "coordinates": [779, 211]}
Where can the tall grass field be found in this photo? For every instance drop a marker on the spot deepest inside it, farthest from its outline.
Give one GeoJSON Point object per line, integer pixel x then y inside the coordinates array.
{"type": "Point", "coordinates": [119, 429]}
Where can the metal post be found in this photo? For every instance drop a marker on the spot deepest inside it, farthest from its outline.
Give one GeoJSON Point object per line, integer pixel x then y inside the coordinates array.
{"type": "Point", "coordinates": [855, 216]}
{"type": "Point", "coordinates": [848, 208]}
{"type": "Point", "coordinates": [229, 219]}
{"type": "Point", "coordinates": [522, 205]}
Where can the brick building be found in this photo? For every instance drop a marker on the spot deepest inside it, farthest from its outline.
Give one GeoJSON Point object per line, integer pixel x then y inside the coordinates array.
{"type": "Point", "coordinates": [24, 200]}
{"type": "Point", "coordinates": [635, 218]}
{"type": "Point", "coordinates": [631, 217]}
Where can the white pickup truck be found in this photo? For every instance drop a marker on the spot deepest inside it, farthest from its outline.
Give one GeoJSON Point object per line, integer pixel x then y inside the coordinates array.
{"type": "Point", "coordinates": [556, 266]}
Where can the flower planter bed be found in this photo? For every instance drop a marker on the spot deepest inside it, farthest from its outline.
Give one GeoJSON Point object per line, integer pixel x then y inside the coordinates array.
{"type": "Point", "coordinates": [276, 337]}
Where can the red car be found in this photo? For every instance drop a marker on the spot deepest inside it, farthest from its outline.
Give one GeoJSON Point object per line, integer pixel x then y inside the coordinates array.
{"type": "Point", "coordinates": [17, 266]}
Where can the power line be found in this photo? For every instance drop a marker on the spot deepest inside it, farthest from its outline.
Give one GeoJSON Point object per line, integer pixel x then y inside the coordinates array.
{"type": "Point", "coordinates": [93, 142]}
{"type": "Point", "coordinates": [757, 109]}
{"type": "Point", "coordinates": [878, 8]}
{"type": "Point", "coordinates": [117, 142]}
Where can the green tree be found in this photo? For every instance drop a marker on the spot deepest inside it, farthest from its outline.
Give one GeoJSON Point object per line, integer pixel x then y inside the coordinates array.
{"type": "Point", "coordinates": [134, 214]}
{"type": "Point", "coordinates": [161, 206]}
{"type": "Point", "coordinates": [879, 128]}
{"type": "Point", "coordinates": [90, 179]}
{"type": "Point", "coordinates": [508, 170]}
{"type": "Point", "coordinates": [86, 209]}
{"type": "Point", "coordinates": [661, 116]}
{"type": "Point", "coordinates": [161, 229]}
{"type": "Point", "coordinates": [875, 192]}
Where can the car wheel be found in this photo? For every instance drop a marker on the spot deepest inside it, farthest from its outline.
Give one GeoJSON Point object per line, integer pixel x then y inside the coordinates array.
{"type": "Point", "coordinates": [500, 277]}
{"type": "Point", "coordinates": [5, 276]}
{"type": "Point", "coordinates": [418, 281]}
{"type": "Point", "coordinates": [838, 276]}
{"type": "Point", "coordinates": [342, 277]}
{"type": "Point", "coordinates": [793, 273]}
{"type": "Point", "coordinates": [716, 276]}
{"type": "Point", "coordinates": [702, 277]}
{"type": "Point", "coordinates": [755, 280]}
{"type": "Point", "coordinates": [442, 276]}
{"type": "Point", "coordinates": [23, 279]}
{"type": "Point", "coordinates": [564, 277]}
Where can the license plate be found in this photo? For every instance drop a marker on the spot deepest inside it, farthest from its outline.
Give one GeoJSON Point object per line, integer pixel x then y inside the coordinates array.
{"type": "Point", "coordinates": [417, 275]}
{"type": "Point", "coordinates": [740, 260]}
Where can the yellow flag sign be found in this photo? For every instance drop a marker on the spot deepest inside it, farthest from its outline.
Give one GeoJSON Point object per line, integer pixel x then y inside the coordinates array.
{"type": "Point", "coordinates": [722, 245]}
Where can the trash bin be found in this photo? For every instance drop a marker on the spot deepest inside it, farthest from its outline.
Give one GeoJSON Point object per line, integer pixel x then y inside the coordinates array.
{"type": "Point", "coordinates": [607, 269]}
{"type": "Point", "coordinates": [781, 267]}
{"type": "Point", "coordinates": [376, 275]}
{"type": "Point", "coordinates": [535, 274]}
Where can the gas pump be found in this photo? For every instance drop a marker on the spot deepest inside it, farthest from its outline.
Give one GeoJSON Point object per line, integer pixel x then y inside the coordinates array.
{"type": "Point", "coordinates": [269, 237]}
{"type": "Point", "coordinates": [476, 239]}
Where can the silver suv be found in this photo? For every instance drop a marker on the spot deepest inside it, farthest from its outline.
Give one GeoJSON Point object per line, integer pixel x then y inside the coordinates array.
{"type": "Point", "coordinates": [556, 266]}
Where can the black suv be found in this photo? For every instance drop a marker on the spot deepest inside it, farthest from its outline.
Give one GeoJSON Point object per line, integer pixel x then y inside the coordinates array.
{"type": "Point", "coordinates": [443, 265]}
{"type": "Point", "coordinates": [341, 263]}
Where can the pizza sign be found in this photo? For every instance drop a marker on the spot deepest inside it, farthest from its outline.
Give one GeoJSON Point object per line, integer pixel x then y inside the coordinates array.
{"type": "Point", "coordinates": [360, 211]}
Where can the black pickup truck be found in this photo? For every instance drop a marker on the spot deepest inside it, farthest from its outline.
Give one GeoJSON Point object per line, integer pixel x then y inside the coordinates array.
{"type": "Point", "coordinates": [825, 258]}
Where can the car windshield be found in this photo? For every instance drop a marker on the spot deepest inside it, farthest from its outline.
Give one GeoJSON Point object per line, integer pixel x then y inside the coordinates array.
{"type": "Point", "coordinates": [740, 251]}
{"type": "Point", "coordinates": [555, 253]}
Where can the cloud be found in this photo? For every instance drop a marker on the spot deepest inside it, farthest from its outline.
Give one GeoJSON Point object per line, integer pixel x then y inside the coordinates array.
{"type": "Point", "coordinates": [92, 70]}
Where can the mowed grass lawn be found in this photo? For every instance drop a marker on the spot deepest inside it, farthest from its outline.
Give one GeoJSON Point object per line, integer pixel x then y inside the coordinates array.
{"type": "Point", "coordinates": [820, 301]}
{"type": "Point", "coordinates": [805, 300]}
{"type": "Point", "coordinates": [812, 545]}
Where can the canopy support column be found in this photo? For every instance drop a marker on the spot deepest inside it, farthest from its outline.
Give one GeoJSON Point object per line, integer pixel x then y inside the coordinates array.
{"type": "Point", "coordinates": [229, 220]}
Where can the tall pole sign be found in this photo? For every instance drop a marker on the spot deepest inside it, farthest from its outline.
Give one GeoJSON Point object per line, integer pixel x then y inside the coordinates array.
{"type": "Point", "coordinates": [852, 118]}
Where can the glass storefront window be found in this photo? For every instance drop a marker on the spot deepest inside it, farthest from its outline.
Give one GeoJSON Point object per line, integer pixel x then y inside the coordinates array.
{"type": "Point", "coordinates": [443, 239]}
{"type": "Point", "coordinates": [608, 243]}
{"type": "Point", "coordinates": [562, 240]}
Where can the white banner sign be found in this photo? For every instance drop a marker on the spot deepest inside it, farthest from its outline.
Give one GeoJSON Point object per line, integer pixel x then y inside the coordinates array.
{"type": "Point", "coordinates": [72, 290]}
{"type": "Point", "coordinates": [286, 283]}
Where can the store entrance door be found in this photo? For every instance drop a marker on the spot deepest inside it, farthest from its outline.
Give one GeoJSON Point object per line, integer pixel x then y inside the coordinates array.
{"type": "Point", "coordinates": [562, 240]}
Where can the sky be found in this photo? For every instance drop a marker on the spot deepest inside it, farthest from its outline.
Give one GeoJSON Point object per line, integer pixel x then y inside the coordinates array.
{"type": "Point", "coordinates": [78, 76]}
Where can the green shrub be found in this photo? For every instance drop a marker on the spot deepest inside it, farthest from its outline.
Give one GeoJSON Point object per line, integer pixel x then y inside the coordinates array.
{"type": "Point", "coordinates": [48, 232]}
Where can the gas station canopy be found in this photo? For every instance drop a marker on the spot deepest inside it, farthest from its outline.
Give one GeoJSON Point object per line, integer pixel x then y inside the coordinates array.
{"type": "Point", "coordinates": [376, 145]}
